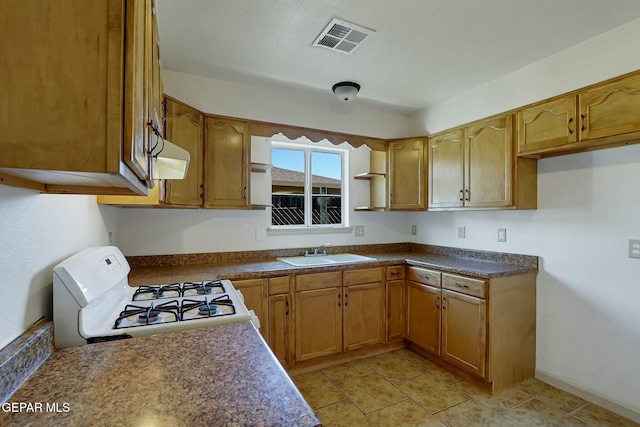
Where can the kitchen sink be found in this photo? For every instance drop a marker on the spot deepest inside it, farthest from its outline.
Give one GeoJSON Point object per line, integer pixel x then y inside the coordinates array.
{"type": "Point", "coordinates": [313, 261]}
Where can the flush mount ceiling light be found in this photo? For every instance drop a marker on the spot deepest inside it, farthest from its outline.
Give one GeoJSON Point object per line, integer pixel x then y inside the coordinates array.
{"type": "Point", "coordinates": [346, 91]}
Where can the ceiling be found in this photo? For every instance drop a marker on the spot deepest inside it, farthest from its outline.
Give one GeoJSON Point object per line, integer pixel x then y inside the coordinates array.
{"type": "Point", "coordinates": [421, 53]}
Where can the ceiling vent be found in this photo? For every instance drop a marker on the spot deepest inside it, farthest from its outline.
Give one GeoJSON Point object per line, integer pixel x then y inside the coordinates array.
{"type": "Point", "coordinates": [342, 37]}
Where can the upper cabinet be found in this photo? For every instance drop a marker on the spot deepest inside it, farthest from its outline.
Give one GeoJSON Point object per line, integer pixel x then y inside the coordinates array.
{"type": "Point", "coordinates": [185, 128]}
{"type": "Point", "coordinates": [550, 124]}
{"type": "Point", "coordinates": [446, 170]}
{"type": "Point", "coordinates": [488, 163]}
{"type": "Point", "coordinates": [78, 95]}
{"type": "Point", "coordinates": [610, 110]}
{"type": "Point", "coordinates": [406, 174]}
{"type": "Point", "coordinates": [603, 115]}
{"type": "Point", "coordinates": [475, 167]}
{"type": "Point", "coordinates": [227, 162]}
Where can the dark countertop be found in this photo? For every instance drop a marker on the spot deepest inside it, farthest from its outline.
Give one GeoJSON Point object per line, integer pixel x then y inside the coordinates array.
{"type": "Point", "coordinates": [476, 267]}
{"type": "Point", "coordinates": [221, 375]}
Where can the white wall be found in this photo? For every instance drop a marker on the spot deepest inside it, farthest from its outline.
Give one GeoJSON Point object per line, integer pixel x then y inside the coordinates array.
{"type": "Point", "coordinates": [36, 233]}
{"type": "Point", "coordinates": [588, 332]}
{"type": "Point", "coordinates": [323, 111]}
{"type": "Point", "coordinates": [172, 231]}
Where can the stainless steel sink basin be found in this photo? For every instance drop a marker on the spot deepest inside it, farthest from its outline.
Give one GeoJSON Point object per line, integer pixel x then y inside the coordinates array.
{"type": "Point", "coordinates": [312, 261]}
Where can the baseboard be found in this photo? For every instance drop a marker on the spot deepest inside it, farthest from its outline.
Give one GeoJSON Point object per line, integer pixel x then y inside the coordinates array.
{"type": "Point", "coordinates": [588, 395]}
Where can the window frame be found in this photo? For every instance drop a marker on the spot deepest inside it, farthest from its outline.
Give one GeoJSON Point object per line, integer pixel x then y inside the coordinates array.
{"type": "Point", "coordinates": [308, 188]}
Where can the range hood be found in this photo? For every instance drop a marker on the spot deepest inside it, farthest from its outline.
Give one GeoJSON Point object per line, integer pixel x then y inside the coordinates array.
{"type": "Point", "coordinates": [170, 161]}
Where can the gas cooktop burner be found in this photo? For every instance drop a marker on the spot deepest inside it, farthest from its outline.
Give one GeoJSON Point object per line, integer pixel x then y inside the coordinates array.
{"type": "Point", "coordinates": [157, 292]}
{"type": "Point", "coordinates": [134, 315]}
{"type": "Point", "coordinates": [220, 306]}
{"type": "Point", "coordinates": [202, 288]}
{"type": "Point", "coordinates": [177, 290]}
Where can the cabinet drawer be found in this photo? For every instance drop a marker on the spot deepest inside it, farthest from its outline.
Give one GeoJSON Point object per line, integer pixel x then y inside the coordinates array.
{"type": "Point", "coordinates": [464, 285]}
{"type": "Point", "coordinates": [279, 285]}
{"type": "Point", "coordinates": [358, 277]}
{"type": "Point", "coordinates": [395, 272]}
{"type": "Point", "coordinates": [422, 275]}
{"type": "Point", "coordinates": [307, 282]}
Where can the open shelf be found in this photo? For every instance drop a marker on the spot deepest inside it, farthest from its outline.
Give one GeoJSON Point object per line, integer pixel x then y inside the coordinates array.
{"type": "Point", "coordinates": [370, 208]}
{"type": "Point", "coordinates": [260, 167]}
{"type": "Point", "coordinates": [369, 175]}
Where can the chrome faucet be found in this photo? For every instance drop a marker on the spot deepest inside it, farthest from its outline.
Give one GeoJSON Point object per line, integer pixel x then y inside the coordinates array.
{"type": "Point", "coordinates": [316, 251]}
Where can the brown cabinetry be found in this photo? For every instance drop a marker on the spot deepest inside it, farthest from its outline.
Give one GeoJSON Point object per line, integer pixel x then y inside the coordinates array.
{"type": "Point", "coordinates": [476, 168]}
{"type": "Point", "coordinates": [335, 313]}
{"type": "Point", "coordinates": [226, 165]}
{"type": "Point", "coordinates": [423, 308]}
{"type": "Point", "coordinates": [406, 175]}
{"type": "Point", "coordinates": [464, 331]}
{"type": "Point", "coordinates": [185, 128]}
{"type": "Point", "coordinates": [81, 87]}
{"type": "Point", "coordinates": [318, 313]}
{"type": "Point", "coordinates": [255, 294]}
{"type": "Point", "coordinates": [485, 328]}
{"type": "Point", "coordinates": [603, 115]}
{"type": "Point", "coordinates": [363, 312]}
{"type": "Point", "coordinates": [395, 300]}
{"type": "Point", "coordinates": [280, 323]}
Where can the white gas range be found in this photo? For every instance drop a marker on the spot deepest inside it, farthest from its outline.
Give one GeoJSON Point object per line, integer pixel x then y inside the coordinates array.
{"type": "Point", "coordinates": [93, 302]}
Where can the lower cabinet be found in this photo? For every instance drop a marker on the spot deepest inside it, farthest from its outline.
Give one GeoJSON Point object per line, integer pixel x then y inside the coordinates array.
{"type": "Point", "coordinates": [280, 324]}
{"type": "Point", "coordinates": [484, 327]}
{"type": "Point", "coordinates": [255, 298]}
{"type": "Point", "coordinates": [464, 331]}
{"type": "Point", "coordinates": [318, 321]}
{"type": "Point", "coordinates": [423, 308]}
{"type": "Point", "coordinates": [335, 313]}
{"type": "Point", "coordinates": [395, 303]}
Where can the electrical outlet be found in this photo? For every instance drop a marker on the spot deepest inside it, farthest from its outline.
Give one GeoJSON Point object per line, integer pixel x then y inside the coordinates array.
{"type": "Point", "coordinates": [110, 237]}
{"type": "Point", "coordinates": [359, 230]}
{"type": "Point", "coordinates": [461, 232]}
{"type": "Point", "coordinates": [634, 248]}
{"type": "Point", "coordinates": [414, 230]}
{"type": "Point", "coordinates": [502, 234]}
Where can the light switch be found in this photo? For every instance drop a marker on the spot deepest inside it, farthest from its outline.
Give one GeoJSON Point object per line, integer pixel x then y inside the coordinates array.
{"type": "Point", "coordinates": [461, 232]}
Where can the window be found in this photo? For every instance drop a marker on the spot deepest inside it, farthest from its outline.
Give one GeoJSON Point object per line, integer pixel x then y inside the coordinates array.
{"type": "Point", "coordinates": [307, 186]}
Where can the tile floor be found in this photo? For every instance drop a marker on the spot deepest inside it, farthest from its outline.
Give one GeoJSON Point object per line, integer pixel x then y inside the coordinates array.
{"type": "Point", "coordinates": [402, 388]}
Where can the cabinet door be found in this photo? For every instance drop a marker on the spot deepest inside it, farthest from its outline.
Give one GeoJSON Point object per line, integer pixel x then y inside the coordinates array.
{"type": "Point", "coordinates": [137, 80]}
{"type": "Point", "coordinates": [226, 173]}
{"type": "Point", "coordinates": [552, 124]}
{"type": "Point", "coordinates": [464, 331]}
{"type": "Point", "coordinates": [255, 294]}
{"type": "Point", "coordinates": [489, 163]}
{"type": "Point", "coordinates": [318, 328]}
{"type": "Point", "coordinates": [610, 110]}
{"type": "Point", "coordinates": [363, 316]}
{"type": "Point", "coordinates": [446, 159]}
{"type": "Point", "coordinates": [185, 128]}
{"type": "Point", "coordinates": [280, 328]}
{"type": "Point", "coordinates": [395, 310]}
{"type": "Point", "coordinates": [406, 175]}
{"type": "Point", "coordinates": [423, 316]}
